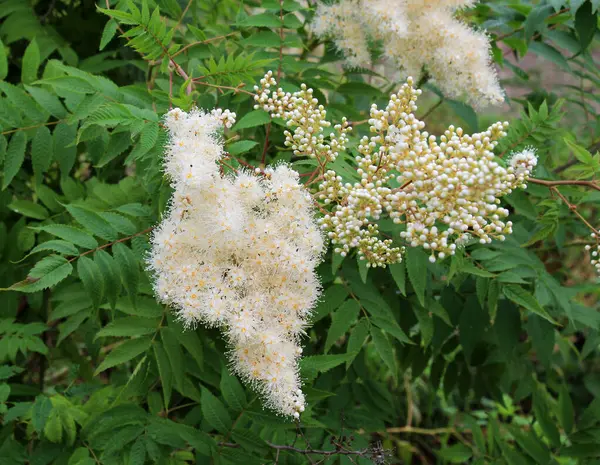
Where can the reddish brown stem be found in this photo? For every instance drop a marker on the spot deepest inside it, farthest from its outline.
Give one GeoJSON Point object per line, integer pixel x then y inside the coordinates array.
{"type": "Point", "coordinates": [542, 182]}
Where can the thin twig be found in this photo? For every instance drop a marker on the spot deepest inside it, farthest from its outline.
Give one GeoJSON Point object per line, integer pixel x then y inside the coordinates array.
{"type": "Point", "coordinates": [237, 89]}
{"type": "Point", "coordinates": [51, 123]}
{"type": "Point", "coordinates": [508, 34]}
{"type": "Point", "coordinates": [263, 158]}
{"type": "Point", "coordinates": [44, 19]}
{"type": "Point", "coordinates": [124, 239]}
{"type": "Point", "coordinates": [570, 182]}
{"type": "Point", "coordinates": [357, 123]}
{"type": "Point", "coordinates": [187, 7]}
{"type": "Point", "coordinates": [202, 42]}
{"type": "Point", "coordinates": [432, 109]}
{"type": "Point", "coordinates": [573, 208]}
{"type": "Point", "coordinates": [409, 401]}
{"type": "Point", "coordinates": [422, 431]}
{"type": "Point", "coordinates": [327, 453]}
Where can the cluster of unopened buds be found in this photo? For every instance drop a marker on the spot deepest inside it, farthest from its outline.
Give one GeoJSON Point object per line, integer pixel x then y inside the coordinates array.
{"type": "Point", "coordinates": [595, 251]}
{"type": "Point", "coordinates": [446, 192]}
{"type": "Point", "coordinates": [302, 112]}
{"type": "Point", "coordinates": [226, 117]}
{"type": "Point", "coordinates": [239, 252]}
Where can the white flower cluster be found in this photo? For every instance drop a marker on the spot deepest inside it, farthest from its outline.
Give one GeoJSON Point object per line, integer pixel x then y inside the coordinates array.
{"type": "Point", "coordinates": [303, 112]}
{"type": "Point", "coordinates": [417, 35]}
{"type": "Point", "coordinates": [595, 251]}
{"type": "Point", "coordinates": [444, 192]}
{"type": "Point", "coordinates": [239, 253]}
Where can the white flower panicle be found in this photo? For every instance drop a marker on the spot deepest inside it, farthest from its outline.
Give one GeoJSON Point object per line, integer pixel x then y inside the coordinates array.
{"type": "Point", "coordinates": [595, 251]}
{"type": "Point", "coordinates": [238, 253]}
{"type": "Point", "coordinates": [444, 191]}
{"type": "Point", "coordinates": [417, 35]}
{"type": "Point", "coordinates": [303, 112]}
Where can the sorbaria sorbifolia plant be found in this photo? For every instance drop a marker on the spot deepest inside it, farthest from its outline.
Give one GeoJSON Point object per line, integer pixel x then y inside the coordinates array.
{"type": "Point", "coordinates": [239, 251]}
{"type": "Point", "coordinates": [163, 262]}
{"type": "Point", "coordinates": [444, 192]}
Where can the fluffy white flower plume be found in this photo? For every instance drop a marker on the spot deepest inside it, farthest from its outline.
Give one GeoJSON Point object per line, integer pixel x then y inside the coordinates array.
{"type": "Point", "coordinates": [239, 253]}
{"type": "Point", "coordinates": [417, 35]}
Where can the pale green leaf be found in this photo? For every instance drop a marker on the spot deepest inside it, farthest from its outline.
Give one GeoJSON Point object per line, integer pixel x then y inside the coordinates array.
{"type": "Point", "coordinates": [93, 222]}
{"type": "Point", "coordinates": [232, 391]}
{"type": "Point", "coordinates": [73, 84]}
{"type": "Point", "coordinates": [71, 324]}
{"type": "Point", "coordinates": [458, 453]}
{"type": "Point", "coordinates": [165, 372]}
{"type": "Point", "coordinates": [3, 62]}
{"type": "Point", "coordinates": [174, 353]}
{"type": "Point", "coordinates": [416, 265]}
{"type": "Point", "coordinates": [64, 152]}
{"type": "Point", "coordinates": [191, 341]}
{"type": "Point", "coordinates": [398, 271]}
{"type": "Point", "coordinates": [42, 149]}
{"type": "Point", "coordinates": [523, 298]}
{"type": "Point", "coordinates": [15, 154]}
{"type": "Point", "coordinates": [40, 412]}
{"type": "Point", "coordinates": [357, 338]}
{"type": "Point", "coordinates": [59, 246]}
{"type": "Point", "coordinates": [29, 209]}
{"type": "Point", "coordinates": [343, 318]}
{"type": "Point", "coordinates": [215, 412]}
{"type": "Point", "coordinates": [129, 326]}
{"type": "Point", "coordinates": [315, 364]}
{"type": "Point", "coordinates": [252, 119]}
{"type": "Point", "coordinates": [48, 101]}
{"type": "Point", "coordinates": [110, 28]}
{"type": "Point", "coordinates": [46, 273]}
{"type": "Point", "coordinates": [241, 146]}
{"type": "Point", "coordinates": [70, 234]}
{"type": "Point", "coordinates": [385, 349]}
{"type": "Point", "coordinates": [129, 266]}
{"type": "Point", "coordinates": [124, 352]}
{"type": "Point", "coordinates": [110, 276]}
{"type": "Point", "coordinates": [565, 409]}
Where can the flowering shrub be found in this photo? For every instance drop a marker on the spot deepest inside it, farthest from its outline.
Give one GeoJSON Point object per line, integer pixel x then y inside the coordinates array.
{"type": "Point", "coordinates": [204, 261]}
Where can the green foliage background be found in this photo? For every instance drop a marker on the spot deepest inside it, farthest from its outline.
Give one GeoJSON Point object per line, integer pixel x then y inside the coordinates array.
{"type": "Point", "coordinates": [488, 358]}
